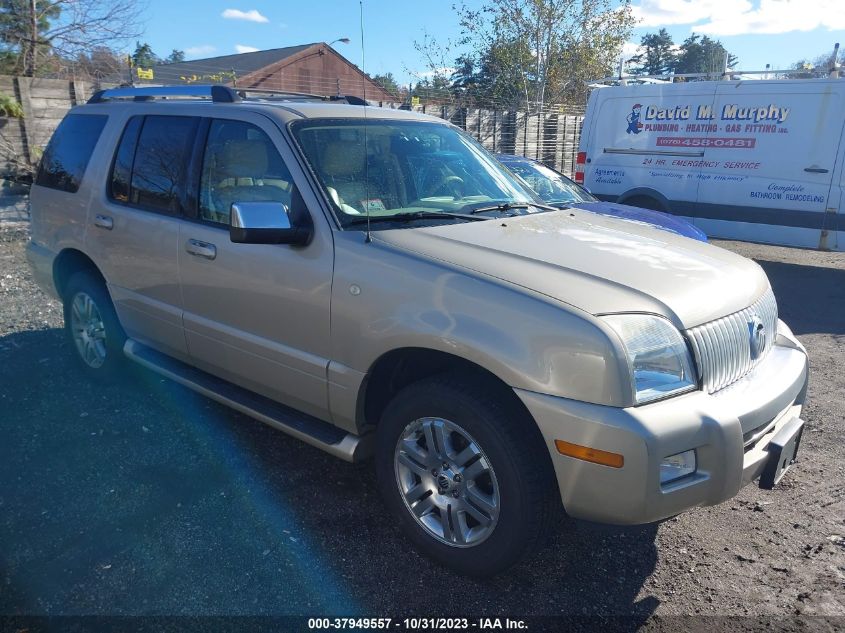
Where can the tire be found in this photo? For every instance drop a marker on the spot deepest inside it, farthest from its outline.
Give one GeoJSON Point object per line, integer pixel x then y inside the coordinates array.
{"type": "Point", "coordinates": [504, 441]}
{"type": "Point", "coordinates": [93, 331]}
{"type": "Point", "coordinates": [645, 202]}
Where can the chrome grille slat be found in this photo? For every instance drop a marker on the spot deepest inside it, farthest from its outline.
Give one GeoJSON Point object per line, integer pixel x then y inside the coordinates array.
{"type": "Point", "coordinates": [722, 348]}
{"type": "Point", "coordinates": [728, 349]}
{"type": "Point", "coordinates": [734, 344]}
{"type": "Point", "coordinates": [720, 356]}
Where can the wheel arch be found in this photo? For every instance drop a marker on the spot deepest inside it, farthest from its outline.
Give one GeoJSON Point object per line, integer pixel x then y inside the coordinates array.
{"type": "Point", "coordinates": [661, 202]}
{"type": "Point", "coordinates": [68, 262]}
{"type": "Point", "coordinates": [398, 368]}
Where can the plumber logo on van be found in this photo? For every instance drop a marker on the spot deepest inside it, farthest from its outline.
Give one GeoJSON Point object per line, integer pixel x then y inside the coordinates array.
{"type": "Point", "coordinates": [633, 119]}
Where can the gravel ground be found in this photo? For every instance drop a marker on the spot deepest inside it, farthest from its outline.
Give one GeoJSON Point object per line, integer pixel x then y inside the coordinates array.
{"type": "Point", "coordinates": [144, 498]}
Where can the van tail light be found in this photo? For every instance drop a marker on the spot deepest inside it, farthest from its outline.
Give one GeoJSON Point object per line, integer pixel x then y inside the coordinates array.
{"type": "Point", "coordinates": [580, 161]}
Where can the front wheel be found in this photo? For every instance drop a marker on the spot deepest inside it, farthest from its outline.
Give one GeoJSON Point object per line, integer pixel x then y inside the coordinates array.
{"type": "Point", "coordinates": [465, 474]}
{"type": "Point", "coordinates": [92, 327]}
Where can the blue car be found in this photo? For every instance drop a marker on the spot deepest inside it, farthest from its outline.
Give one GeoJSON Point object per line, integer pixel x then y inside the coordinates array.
{"type": "Point", "coordinates": [557, 190]}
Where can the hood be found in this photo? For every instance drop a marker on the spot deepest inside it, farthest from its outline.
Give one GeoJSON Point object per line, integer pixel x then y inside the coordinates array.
{"type": "Point", "coordinates": [596, 263]}
{"type": "Point", "coordinates": [658, 219]}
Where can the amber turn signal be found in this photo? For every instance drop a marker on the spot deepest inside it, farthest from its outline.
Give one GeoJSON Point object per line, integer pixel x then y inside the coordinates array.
{"type": "Point", "coordinates": [594, 455]}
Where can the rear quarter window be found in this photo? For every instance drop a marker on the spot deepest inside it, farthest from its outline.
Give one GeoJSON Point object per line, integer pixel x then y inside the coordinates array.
{"type": "Point", "coordinates": [69, 151]}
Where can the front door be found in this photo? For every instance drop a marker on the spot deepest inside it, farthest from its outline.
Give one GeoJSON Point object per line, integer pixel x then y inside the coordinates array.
{"type": "Point", "coordinates": [255, 314]}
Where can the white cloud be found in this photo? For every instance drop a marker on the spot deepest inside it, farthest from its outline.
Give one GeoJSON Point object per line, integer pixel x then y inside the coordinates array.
{"type": "Point", "coordinates": [779, 16]}
{"type": "Point", "coordinates": [241, 48]}
{"type": "Point", "coordinates": [199, 51]}
{"type": "Point", "coordinates": [444, 71]}
{"type": "Point", "coordinates": [629, 49]}
{"type": "Point", "coordinates": [739, 17]}
{"type": "Point", "coordinates": [250, 16]}
{"type": "Point", "coordinates": [668, 12]}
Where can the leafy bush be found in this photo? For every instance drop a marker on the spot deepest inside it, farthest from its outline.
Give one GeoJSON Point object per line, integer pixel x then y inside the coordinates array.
{"type": "Point", "coordinates": [10, 108]}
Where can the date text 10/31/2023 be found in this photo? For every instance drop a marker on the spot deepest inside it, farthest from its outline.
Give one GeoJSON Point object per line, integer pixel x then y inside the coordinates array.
{"type": "Point", "coordinates": [418, 624]}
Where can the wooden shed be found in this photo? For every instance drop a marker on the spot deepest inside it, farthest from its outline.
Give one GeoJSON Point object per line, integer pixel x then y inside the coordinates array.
{"type": "Point", "coordinates": [311, 68]}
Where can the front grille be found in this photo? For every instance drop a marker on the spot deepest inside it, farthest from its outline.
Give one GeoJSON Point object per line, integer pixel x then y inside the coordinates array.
{"type": "Point", "coordinates": [722, 348]}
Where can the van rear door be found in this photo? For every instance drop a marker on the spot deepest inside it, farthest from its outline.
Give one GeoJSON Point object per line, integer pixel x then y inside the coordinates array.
{"type": "Point", "coordinates": [770, 159]}
{"type": "Point", "coordinates": [833, 230]}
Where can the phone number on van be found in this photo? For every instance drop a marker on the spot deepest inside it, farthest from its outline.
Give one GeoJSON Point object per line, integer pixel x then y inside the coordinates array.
{"type": "Point", "coordinates": [690, 141]}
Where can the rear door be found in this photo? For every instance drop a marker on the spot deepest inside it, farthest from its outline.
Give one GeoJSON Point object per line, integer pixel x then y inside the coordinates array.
{"type": "Point", "coordinates": [255, 314]}
{"type": "Point", "coordinates": [833, 231]}
{"type": "Point", "coordinates": [771, 159]}
{"type": "Point", "coordinates": [133, 232]}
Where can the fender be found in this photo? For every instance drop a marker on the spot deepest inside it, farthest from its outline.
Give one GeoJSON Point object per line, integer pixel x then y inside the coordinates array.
{"type": "Point", "coordinates": [526, 340]}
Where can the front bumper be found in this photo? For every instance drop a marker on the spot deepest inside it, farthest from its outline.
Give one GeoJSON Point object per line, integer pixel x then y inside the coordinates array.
{"type": "Point", "coordinates": [729, 431]}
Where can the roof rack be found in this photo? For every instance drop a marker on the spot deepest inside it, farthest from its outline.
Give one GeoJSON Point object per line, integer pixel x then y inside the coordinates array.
{"type": "Point", "coordinates": [286, 95]}
{"type": "Point", "coordinates": [669, 78]}
{"type": "Point", "coordinates": [217, 94]}
{"type": "Point", "coordinates": [833, 71]}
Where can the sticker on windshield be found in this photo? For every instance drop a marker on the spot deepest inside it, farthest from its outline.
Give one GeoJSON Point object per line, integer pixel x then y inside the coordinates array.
{"type": "Point", "coordinates": [373, 204]}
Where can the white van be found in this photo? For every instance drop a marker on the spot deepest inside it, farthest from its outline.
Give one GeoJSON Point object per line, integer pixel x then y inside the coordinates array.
{"type": "Point", "coordinates": [760, 160]}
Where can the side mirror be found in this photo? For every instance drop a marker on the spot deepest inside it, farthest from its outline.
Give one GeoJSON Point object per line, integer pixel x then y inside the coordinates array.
{"type": "Point", "coordinates": [265, 223]}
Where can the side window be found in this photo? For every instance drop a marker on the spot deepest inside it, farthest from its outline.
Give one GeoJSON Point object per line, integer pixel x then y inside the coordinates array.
{"type": "Point", "coordinates": [69, 151]}
{"type": "Point", "coordinates": [161, 160]}
{"type": "Point", "coordinates": [121, 173]}
{"type": "Point", "coordinates": [240, 164]}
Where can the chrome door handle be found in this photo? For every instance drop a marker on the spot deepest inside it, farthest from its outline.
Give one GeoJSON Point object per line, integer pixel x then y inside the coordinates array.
{"type": "Point", "coordinates": [201, 249]}
{"type": "Point", "coordinates": [104, 222]}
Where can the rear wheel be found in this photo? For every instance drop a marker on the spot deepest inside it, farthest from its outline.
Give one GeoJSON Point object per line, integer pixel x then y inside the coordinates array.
{"type": "Point", "coordinates": [92, 327]}
{"type": "Point", "coordinates": [465, 473]}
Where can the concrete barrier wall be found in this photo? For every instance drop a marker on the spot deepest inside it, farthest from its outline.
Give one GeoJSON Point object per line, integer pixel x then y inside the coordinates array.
{"type": "Point", "coordinates": [551, 135]}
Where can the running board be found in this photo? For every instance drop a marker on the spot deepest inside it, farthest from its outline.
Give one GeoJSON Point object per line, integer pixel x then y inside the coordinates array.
{"type": "Point", "coordinates": [329, 438]}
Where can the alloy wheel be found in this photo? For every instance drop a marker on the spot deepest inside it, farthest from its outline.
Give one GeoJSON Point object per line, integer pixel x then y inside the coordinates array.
{"type": "Point", "coordinates": [447, 482]}
{"type": "Point", "coordinates": [88, 330]}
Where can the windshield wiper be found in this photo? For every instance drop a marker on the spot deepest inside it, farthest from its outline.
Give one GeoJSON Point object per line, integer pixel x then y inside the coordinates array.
{"type": "Point", "coordinates": [411, 217]}
{"type": "Point", "coordinates": [510, 206]}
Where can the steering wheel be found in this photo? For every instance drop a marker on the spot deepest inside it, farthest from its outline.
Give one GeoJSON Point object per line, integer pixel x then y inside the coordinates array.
{"type": "Point", "coordinates": [453, 185]}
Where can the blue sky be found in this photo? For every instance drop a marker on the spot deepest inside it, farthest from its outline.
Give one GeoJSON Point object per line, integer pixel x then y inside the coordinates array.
{"type": "Point", "coordinates": [777, 32]}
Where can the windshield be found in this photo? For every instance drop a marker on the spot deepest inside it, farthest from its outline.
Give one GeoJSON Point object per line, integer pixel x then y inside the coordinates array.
{"type": "Point", "coordinates": [404, 168]}
{"type": "Point", "coordinates": [552, 187]}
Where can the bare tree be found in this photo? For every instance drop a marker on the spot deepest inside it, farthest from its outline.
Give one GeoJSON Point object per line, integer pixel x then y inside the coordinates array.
{"type": "Point", "coordinates": [100, 64]}
{"type": "Point", "coordinates": [38, 29]}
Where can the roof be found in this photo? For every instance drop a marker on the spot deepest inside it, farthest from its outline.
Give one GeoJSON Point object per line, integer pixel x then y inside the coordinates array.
{"type": "Point", "coordinates": [241, 63]}
{"type": "Point", "coordinates": [291, 67]}
{"type": "Point", "coordinates": [186, 100]}
{"type": "Point", "coordinates": [336, 110]}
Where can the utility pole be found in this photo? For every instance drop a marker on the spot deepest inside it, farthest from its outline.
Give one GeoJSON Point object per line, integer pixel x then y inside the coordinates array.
{"type": "Point", "coordinates": [29, 62]}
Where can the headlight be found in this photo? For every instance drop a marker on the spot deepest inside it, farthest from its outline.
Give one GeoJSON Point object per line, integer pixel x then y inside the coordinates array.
{"type": "Point", "coordinates": [657, 355]}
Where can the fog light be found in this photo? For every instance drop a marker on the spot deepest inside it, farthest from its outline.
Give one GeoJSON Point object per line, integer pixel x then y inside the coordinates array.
{"type": "Point", "coordinates": [677, 466]}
